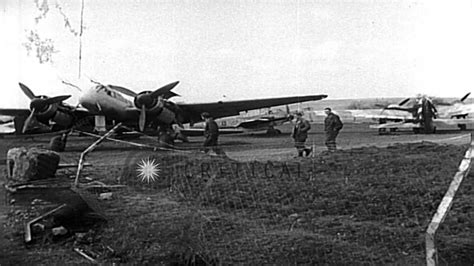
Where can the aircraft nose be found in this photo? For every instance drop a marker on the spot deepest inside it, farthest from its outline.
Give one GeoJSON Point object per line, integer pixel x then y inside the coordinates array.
{"type": "Point", "coordinates": [87, 100]}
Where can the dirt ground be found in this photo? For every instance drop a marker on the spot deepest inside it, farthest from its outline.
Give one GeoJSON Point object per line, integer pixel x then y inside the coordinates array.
{"type": "Point", "coordinates": [369, 203]}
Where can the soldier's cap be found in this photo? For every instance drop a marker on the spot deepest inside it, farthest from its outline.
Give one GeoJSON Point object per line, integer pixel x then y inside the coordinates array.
{"type": "Point", "coordinates": [299, 113]}
{"type": "Point", "coordinates": [205, 115]}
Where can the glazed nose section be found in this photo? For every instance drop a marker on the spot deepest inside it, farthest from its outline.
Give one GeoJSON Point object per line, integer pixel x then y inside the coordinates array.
{"type": "Point", "coordinates": [88, 100]}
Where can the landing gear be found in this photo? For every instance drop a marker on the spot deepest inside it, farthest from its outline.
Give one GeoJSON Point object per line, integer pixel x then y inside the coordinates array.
{"type": "Point", "coordinates": [383, 131]}
{"type": "Point", "coordinates": [462, 127]}
{"type": "Point", "coordinates": [58, 143]}
{"type": "Point", "coordinates": [165, 140]}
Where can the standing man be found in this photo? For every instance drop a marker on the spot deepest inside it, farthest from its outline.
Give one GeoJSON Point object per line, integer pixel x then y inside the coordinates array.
{"type": "Point", "coordinates": [332, 126]}
{"type": "Point", "coordinates": [300, 133]}
{"type": "Point", "coordinates": [211, 133]}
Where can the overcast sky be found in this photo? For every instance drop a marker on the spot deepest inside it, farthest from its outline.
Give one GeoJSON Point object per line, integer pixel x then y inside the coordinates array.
{"type": "Point", "coordinates": [246, 49]}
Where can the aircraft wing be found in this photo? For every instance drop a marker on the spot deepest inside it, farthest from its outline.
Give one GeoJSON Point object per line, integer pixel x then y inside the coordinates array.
{"type": "Point", "coordinates": [396, 125]}
{"type": "Point", "coordinates": [255, 123]}
{"type": "Point", "coordinates": [386, 117]}
{"type": "Point", "coordinates": [192, 112]}
{"type": "Point", "coordinates": [200, 131]}
{"type": "Point", "coordinates": [14, 112]}
{"type": "Point", "coordinates": [453, 121]}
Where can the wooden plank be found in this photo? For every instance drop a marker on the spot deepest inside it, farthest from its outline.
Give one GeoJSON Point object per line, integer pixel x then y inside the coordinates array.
{"type": "Point", "coordinates": [445, 206]}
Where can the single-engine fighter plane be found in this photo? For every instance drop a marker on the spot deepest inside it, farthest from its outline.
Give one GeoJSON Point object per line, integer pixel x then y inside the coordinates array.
{"type": "Point", "coordinates": [148, 109]}
{"type": "Point", "coordinates": [241, 123]}
{"type": "Point", "coordinates": [424, 116]}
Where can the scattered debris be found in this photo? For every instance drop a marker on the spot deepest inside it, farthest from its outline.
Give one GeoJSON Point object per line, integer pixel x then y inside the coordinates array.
{"type": "Point", "coordinates": [38, 227]}
{"type": "Point", "coordinates": [28, 224]}
{"type": "Point", "coordinates": [59, 231]}
{"type": "Point", "coordinates": [105, 196]}
{"type": "Point", "coordinates": [81, 252]}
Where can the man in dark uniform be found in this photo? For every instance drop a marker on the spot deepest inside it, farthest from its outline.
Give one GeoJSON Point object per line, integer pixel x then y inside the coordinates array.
{"type": "Point", "coordinates": [211, 133]}
{"type": "Point", "coordinates": [300, 133]}
{"type": "Point", "coordinates": [332, 126]}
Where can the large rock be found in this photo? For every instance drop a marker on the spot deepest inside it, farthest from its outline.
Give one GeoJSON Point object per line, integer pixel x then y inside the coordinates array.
{"type": "Point", "coordinates": [25, 165]}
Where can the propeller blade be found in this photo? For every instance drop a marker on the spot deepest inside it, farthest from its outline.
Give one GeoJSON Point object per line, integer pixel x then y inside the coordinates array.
{"type": "Point", "coordinates": [465, 97]}
{"type": "Point", "coordinates": [27, 91]}
{"type": "Point", "coordinates": [404, 101]}
{"type": "Point", "coordinates": [28, 121]}
{"type": "Point", "coordinates": [165, 91]}
{"type": "Point", "coordinates": [287, 110]}
{"type": "Point", "coordinates": [123, 90]}
{"type": "Point", "coordinates": [142, 119]}
{"type": "Point", "coordinates": [57, 99]}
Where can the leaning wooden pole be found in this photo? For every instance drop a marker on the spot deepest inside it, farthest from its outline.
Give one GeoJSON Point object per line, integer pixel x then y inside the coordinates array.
{"type": "Point", "coordinates": [80, 38]}
{"type": "Point", "coordinates": [445, 206]}
{"type": "Point", "coordinates": [91, 148]}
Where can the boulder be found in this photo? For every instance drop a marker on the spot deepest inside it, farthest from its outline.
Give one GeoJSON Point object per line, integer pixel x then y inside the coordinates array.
{"type": "Point", "coordinates": [24, 165]}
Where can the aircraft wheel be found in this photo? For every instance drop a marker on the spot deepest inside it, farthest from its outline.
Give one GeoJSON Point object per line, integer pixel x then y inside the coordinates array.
{"type": "Point", "coordinates": [182, 137]}
{"type": "Point", "coordinates": [166, 140]}
{"type": "Point", "coordinates": [57, 144]}
{"type": "Point", "coordinates": [462, 127]}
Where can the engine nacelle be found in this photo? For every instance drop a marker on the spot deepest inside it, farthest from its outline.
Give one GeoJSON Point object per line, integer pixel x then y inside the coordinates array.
{"type": "Point", "coordinates": [166, 116]}
{"type": "Point", "coordinates": [48, 113]}
{"type": "Point", "coordinates": [63, 119]}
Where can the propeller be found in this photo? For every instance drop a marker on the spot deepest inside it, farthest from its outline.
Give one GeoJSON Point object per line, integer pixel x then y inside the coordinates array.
{"type": "Point", "coordinates": [146, 100]}
{"type": "Point", "coordinates": [164, 91]}
{"type": "Point", "coordinates": [27, 91]}
{"type": "Point", "coordinates": [142, 119]}
{"type": "Point", "coordinates": [465, 97]}
{"type": "Point", "coordinates": [28, 121]}
{"type": "Point", "coordinates": [288, 113]}
{"type": "Point", "coordinates": [38, 104]}
{"type": "Point", "coordinates": [123, 90]}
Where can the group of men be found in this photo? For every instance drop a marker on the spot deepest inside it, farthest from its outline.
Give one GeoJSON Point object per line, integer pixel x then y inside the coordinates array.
{"type": "Point", "coordinates": [332, 126]}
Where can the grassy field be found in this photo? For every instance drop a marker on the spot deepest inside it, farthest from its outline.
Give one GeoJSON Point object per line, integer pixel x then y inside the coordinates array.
{"type": "Point", "coordinates": [365, 205]}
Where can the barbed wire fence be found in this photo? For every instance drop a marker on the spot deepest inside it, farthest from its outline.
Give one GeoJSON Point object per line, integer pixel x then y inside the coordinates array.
{"type": "Point", "coordinates": [364, 204]}
{"type": "Point", "coordinates": [331, 208]}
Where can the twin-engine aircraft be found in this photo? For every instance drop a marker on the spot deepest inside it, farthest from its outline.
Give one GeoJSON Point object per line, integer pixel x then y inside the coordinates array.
{"type": "Point", "coordinates": [425, 115]}
{"type": "Point", "coordinates": [148, 109]}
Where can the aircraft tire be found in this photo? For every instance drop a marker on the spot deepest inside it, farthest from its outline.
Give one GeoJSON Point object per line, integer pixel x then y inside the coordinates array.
{"type": "Point", "coordinates": [166, 140]}
{"type": "Point", "coordinates": [57, 144]}
{"type": "Point", "coordinates": [462, 127]}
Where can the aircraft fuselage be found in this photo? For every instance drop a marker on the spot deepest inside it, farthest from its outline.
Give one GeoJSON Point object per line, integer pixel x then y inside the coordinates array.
{"type": "Point", "coordinates": [100, 100]}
